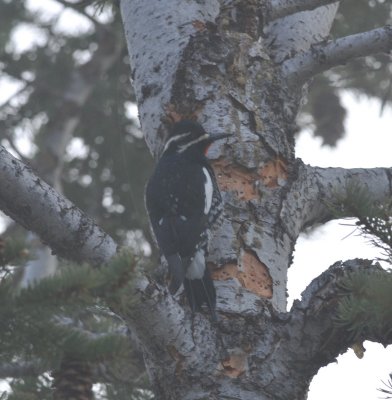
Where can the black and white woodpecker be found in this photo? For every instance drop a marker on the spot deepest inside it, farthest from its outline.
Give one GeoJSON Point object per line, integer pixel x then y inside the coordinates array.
{"type": "Point", "coordinates": [183, 202]}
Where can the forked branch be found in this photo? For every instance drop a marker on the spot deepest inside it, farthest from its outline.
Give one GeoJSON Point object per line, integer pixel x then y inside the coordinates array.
{"type": "Point", "coordinates": [323, 56]}
{"type": "Point", "coordinates": [281, 8]}
{"type": "Point", "coordinates": [321, 190]}
{"type": "Point", "coordinates": [314, 320]}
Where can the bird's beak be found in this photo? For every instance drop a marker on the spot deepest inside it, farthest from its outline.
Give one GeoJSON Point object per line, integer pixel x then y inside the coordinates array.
{"type": "Point", "coordinates": [216, 136]}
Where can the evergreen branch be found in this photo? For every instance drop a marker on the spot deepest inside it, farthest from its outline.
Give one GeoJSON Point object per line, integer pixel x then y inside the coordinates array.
{"type": "Point", "coordinates": [80, 285]}
{"type": "Point", "coordinates": [79, 7]}
{"type": "Point", "coordinates": [90, 347]}
{"type": "Point", "coordinates": [38, 207]}
{"type": "Point", "coordinates": [374, 216]}
{"type": "Point", "coordinates": [73, 380]}
{"type": "Point", "coordinates": [45, 320]}
{"type": "Point", "coordinates": [326, 324]}
{"type": "Point", "coordinates": [12, 251]}
{"type": "Point", "coordinates": [20, 369]}
{"type": "Point", "coordinates": [388, 390]}
{"type": "Point", "coordinates": [275, 9]}
{"type": "Point", "coordinates": [364, 305]}
{"type": "Point", "coordinates": [323, 56]}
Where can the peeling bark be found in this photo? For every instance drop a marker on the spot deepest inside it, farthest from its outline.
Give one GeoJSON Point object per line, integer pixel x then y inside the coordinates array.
{"type": "Point", "coordinates": [216, 63]}
{"type": "Point", "coordinates": [219, 63]}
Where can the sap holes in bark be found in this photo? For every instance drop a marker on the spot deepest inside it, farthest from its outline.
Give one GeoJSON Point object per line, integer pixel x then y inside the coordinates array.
{"type": "Point", "coordinates": [236, 179]}
{"type": "Point", "coordinates": [250, 272]}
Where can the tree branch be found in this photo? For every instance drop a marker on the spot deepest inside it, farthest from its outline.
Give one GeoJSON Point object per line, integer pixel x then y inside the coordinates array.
{"type": "Point", "coordinates": [312, 323]}
{"type": "Point", "coordinates": [319, 189]}
{"type": "Point", "coordinates": [297, 33]}
{"type": "Point", "coordinates": [38, 207]}
{"type": "Point", "coordinates": [20, 369]}
{"type": "Point", "coordinates": [321, 57]}
{"type": "Point", "coordinates": [157, 320]}
{"type": "Point", "coordinates": [80, 9]}
{"type": "Point", "coordinates": [275, 9]}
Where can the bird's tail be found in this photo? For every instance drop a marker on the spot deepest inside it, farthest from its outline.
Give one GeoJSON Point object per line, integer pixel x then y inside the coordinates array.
{"type": "Point", "coordinates": [176, 272]}
{"type": "Point", "coordinates": [200, 291]}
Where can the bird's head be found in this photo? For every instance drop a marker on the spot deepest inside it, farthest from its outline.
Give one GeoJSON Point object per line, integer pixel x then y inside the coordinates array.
{"type": "Point", "coordinates": [190, 136]}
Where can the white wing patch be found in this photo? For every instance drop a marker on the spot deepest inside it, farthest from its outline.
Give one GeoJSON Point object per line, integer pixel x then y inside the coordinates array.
{"type": "Point", "coordinates": [197, 266]}
{"type": "Point", "coordinates": [208, 191]}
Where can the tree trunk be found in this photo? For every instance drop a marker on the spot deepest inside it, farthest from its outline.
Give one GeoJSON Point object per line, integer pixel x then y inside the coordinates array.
{"type": "Point", "coordinates": [235, 68]}
{"type": "Point", "coordinates": [220, 62]}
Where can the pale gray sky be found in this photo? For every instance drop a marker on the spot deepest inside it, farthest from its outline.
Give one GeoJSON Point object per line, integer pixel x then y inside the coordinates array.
{"type": "Point", "coordinates": [368, 143]}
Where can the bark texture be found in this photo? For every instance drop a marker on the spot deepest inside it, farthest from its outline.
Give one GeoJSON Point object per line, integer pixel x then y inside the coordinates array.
{"type": "Point", "coordinates": [275, 9]}
{"type": "Point", "coordinates": [34, 204]}
{"type": "Point", "coordinates": [322, 57]}
{"type": "Point", "coordinates": [225, 64]}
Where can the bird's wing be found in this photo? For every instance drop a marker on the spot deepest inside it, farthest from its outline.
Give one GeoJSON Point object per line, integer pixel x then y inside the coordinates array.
{"type": "Point", "coordinates": [215, 214]}
{"type": "Point", "coordinates": [176, 209]}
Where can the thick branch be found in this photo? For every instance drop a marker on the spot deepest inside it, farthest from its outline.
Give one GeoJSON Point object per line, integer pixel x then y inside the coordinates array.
{"type": "Point", "coordinates": [297, 33]}
{"type": "Point", "coordinates": [187, 342]}
{"type": "Point", "coordinates": [281, 8]}
{"type": "Point", "coordinates": [322, 57]}
{"type": "Point", "coordinates": [60, 224]}
{"type": "Point", "coordinates": [312, 323]}
{"type": "Point", "coordinates": [38, 207]}
{"type": "Point", "coordinates": [20, 369]}
{"type": "Point", "coordinates": [315, 189]}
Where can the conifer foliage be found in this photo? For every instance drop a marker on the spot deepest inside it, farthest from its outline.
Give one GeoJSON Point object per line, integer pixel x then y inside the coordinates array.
{"type": "Point", "coordinates": [63, 324]}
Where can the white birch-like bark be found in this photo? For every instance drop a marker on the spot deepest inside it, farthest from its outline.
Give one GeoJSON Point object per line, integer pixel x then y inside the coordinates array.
{"type": "Point", "coordinates": [296, 33]}
{"type": "Point", "coordinates": [171, 46]}
{"type": "Point", "coordinates": [315, 191]}
{"type": "Point", "coordinates": [321, 57]}
{"type": "Point", "coordinates": [217, 63]}
{"type": "Point", "coordinates": [157, 34]}
{"type": "Point", "coordinates": [209, 61]}
{"type": "Point", "coordinates": [281, 8]}
{"type": "Point", "coordinates": [60, 224]}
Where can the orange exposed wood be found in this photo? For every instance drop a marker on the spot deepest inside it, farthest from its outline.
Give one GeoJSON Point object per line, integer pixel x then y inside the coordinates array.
{"type": "Point", "coordinates": [250, 272]}
{"type": "Point", "coordinates": [177, 357]}
{"type": "Point", "coordinates": [235, 365]}
{"type": "Point", "coordinates": [255, 275]}
{"type": "Point", "coordinates": [273, 172]}
{"type": "Point", "coordinates": [199, 25]}
{"type": "Point", "coordinates": [172, 115]}
{"type": "Point", "coordinates": [237, 179]}
{"type": "Point", "coordinates": [243, 182]}
{"type": "Point", "coordinates": [227, 271]}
